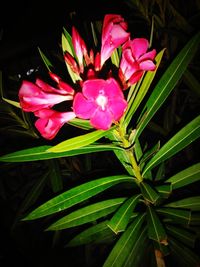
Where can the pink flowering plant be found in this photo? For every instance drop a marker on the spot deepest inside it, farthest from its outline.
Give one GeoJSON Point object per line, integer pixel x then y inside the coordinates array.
{"type": "Point", "coordinates": [112, 98]}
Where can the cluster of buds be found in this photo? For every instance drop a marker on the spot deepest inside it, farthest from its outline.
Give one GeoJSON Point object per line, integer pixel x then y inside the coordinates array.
{"type": "Point", "coordinates": [99, 99]}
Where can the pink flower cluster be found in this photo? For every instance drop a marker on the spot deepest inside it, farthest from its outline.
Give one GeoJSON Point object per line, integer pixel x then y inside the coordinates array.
{"type": "Point", "coordinates": [99, 100]}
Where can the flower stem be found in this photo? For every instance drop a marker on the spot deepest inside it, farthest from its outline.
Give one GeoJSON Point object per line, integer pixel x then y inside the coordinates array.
{"type": "Point", "coordinates": [130, 154]}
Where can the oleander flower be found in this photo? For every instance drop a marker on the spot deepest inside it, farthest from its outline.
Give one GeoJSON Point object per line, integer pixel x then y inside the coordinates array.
{"type": "Point", "coordinates": [50, 121]}
{"type": "Point", "coordinates": [114, 34]}
{"type": "Point", "coordinates": [41, 95]}
{"type": "Point", "coordinates": [135, 60]}
{"type": "Point", "coordinates": [101, 101]}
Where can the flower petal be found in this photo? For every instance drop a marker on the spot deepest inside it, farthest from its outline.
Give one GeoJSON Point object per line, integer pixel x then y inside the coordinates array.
{"type": "Point", "coordinates": [117, 108]}
{"type": "Point", "coordinates": [82, 107]}
{"type": "Point", "coordinates": [101, 119]}
{"type": "Point", "coordinates": [50, 122]}
{"type": "Point", "coordinates": [139, 47]}
{"type": "Point", "coordinates": [147, 65]}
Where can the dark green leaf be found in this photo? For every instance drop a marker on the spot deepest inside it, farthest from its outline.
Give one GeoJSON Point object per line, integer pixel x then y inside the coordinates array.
{"type": "Point", "coordinates": [120, 219]}
{"type": "Point", "coordinates": [183, 138]}
{"type": "Point", "coordinates": [96, 233]}
{"type": "Point", "coordinates": [185, 177]}
{"type": "Point", "coordinates": [177, 215]}
{"type": "Point", "coordinates": [87, 214]}
{"type": "Point", "coordinates": [148, 192]}
{"type": "Point", "coordinates": [156, 230]}
{"type": "Point", "coordinates": [192, 203]}
{"type": "Point", "coordinates": [124, 245]}
{"type": "Point", "coordinates": [41, 153]}
{"type": "Point", "coordinates": [76, 195]}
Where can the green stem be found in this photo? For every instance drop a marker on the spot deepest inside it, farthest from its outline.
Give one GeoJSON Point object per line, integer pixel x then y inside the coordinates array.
{"type": "Point", "coordinates": [130, 154]}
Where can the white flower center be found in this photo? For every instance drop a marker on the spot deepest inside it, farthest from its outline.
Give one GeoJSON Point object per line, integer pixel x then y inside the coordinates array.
{"type": "Point", "coordinates": [102, 101]}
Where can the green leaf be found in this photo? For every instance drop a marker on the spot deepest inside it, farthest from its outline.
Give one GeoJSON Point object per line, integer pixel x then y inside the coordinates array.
{"type": "Point", "coordinates": [87, 214]}
{"type": "Point", "coordinates": [177, 215]}
{"type": "Point", "coordinates": [55, 176]}
{"type": "Point", "coordinates": [184, 236]}
{"type": "Point", "coordinates": [78, 141]}
{"type": "Point", "coordinates": [180, 140]}
{"type": "Point", "coordinates": [156, 230]}
{"type": "Point", "coordinates": [164, 190]}
{"type": "Point", "coordinates": [148, 192]}
{"type": "Point", "coordinates": [185, 177]}
{"type": "Point", "coordinates": [76, 195]}
{"type": "Point", "coordinates": [125, 244]}
{"type": "Point", "coordinates": [46, 61]}
{"type": "Point", "coordinates": [185, 255]}
{"type": "Point", "coordinates": [138, 250]}
{"type": "Point", "coordinates": [167, 82]}
{"type": "Point", "coordinates": [115, 58]}
{"type": "Point", "coordinates": [192, 203]}
{"type": "Point", "coordinates": [120, 219]}
{"type": "Point", "coordinates": [41, 153]}
{"type": "Point", "coordinates": [94, 234]}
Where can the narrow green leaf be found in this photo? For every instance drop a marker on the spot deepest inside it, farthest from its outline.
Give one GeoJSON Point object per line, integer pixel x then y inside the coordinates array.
{"type": "Point", "coordinates": [183, 235]}
{"type": "Point", "coordinates": [164, 190]}
{"type": "Point", "coordinates": [87, 214]}
{"type": "Point", "coordinates": [167, 82]}
{"type": "Point", "coordinates": [41, 153]}
{"type": "Point", "coordinates": [46, 61]}
{"type": "Point", "coordinates": [120, 219]}
{"type": "Point", "coordinates": [185, 177]}
{"type": "Point", "coordinates": [185, 255]}
{"type": "Point", "coordinates": [11, 102]}
{"type": "Point", "coordinates": [55, 176]}
{"type": "Point", "coordinates": [78, 141]}
{"type": "Point", "coordinates": [115, 58]}
{"type": "Point", "coordinates": [124, 245]}
{"type": "Point", "coordinates": [76, 195]}
{"type": "Point", "coordinates": [148, 192]}
{"type": "Point", "coordinates": [96, 233]}
{"type": "Point", "coordinates": [177, 215]}
{"type": "Point", "coordinates": [138, 250]}
{"type": "Point", "coordinates": [156, 230]}
{"type": "Point", "coordinates": [192, 203]}
{"type": "Point", "coordinates": [183, 138]}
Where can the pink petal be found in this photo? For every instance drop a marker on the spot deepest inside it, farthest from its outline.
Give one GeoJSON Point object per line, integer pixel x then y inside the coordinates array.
{"type": "Point", "coordinates": [117, 107]}
{"type": "Point", "coordinates": [139, 47]}
{"type": "Point", "coordinates": [112, 89]}
{"type": "Point", "coordinates": [82, 107]}
{"type": "Point", "coordinates": [91, 88]}
{"type": "Point", "coordinates": [49, 125]}
{"type": "Point", "coordinates": [147, 65]}
{"type": "Point", "coordinates": [101, 119]}
{"type": "Point", "coordinates": [135, 77]}
{"type": "Point", "coordinates": [149, 55]}
{"type": "Point", "coordinates": [113, 35]}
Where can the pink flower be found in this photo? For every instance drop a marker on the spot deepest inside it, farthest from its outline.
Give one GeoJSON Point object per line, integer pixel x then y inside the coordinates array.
{"type": "Point", "coordinates": [41, 95]}
{"type": "Point", "coordinates": [50, 121]}
{"type": "Point", "coordinates": [79, 47]}
{"type": "Point", "coordinates": [101, 101]}
{"type": "Point", "coordinates": [135, 60]}
{"type": "Point", "coordinates": [113, 35]}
